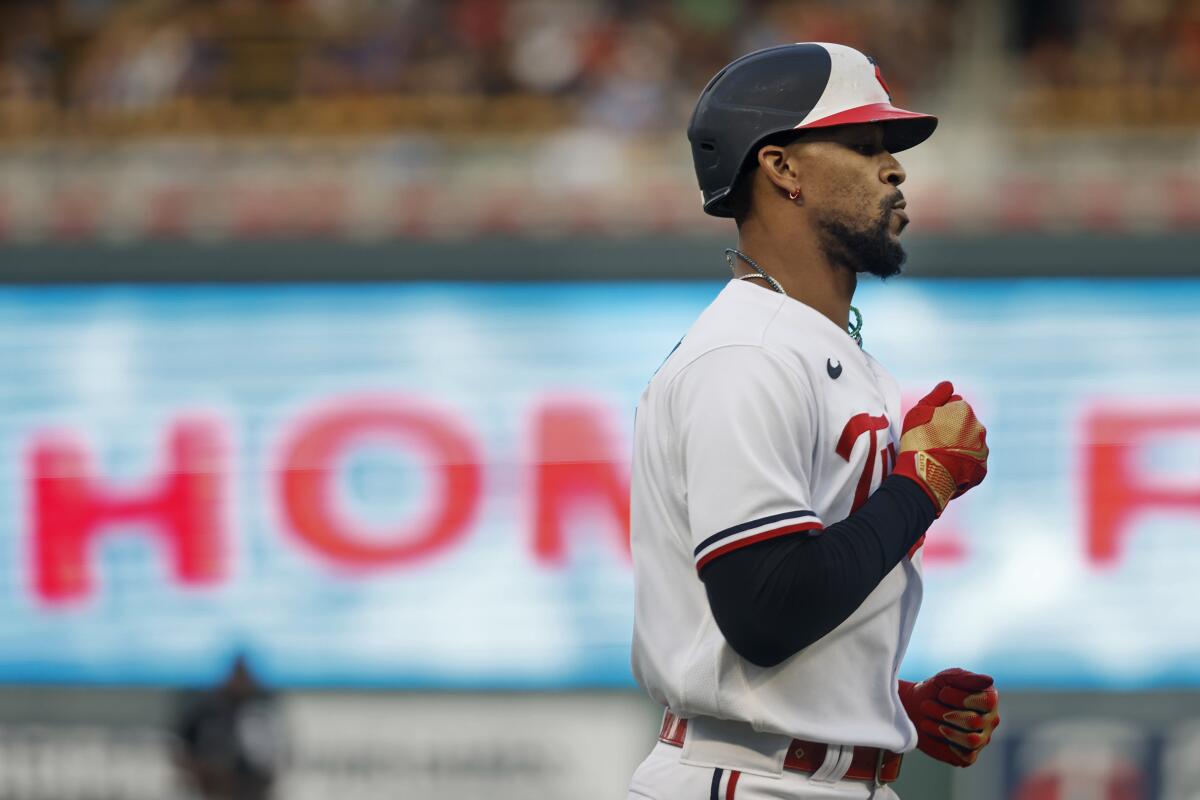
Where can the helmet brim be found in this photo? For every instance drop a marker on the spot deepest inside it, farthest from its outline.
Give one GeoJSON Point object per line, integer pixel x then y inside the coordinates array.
{"type": "Point", "coordinates": [901, 129]}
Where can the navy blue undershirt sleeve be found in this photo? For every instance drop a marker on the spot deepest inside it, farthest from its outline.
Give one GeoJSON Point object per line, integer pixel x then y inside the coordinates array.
{"type": "Point", "coordinates": [774, 598]}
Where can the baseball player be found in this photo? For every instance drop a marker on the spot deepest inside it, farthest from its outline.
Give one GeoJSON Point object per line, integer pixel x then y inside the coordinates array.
{"type": "Point", "coordinates": [779, 501]}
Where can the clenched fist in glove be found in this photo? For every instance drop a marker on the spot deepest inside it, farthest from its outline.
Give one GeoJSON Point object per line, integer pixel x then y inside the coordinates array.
{"type": "Point", "coordinates": [955, 713]}
{"type": "Point", "coordinates": [943, 447]}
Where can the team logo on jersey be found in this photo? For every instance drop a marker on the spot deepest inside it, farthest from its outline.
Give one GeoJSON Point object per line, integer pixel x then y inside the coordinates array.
{"type": "Point", "coordinates": [835, 372]}
{"type": "Point", "coordinates": [858, 425]}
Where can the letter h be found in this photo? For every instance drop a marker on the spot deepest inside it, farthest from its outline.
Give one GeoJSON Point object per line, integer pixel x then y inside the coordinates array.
{"type": "Point", "coordinates": [70, 509]}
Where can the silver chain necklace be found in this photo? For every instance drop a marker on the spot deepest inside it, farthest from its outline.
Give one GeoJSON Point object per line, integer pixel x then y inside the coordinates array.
{"type": "Point", "coordinates": [854, 331]}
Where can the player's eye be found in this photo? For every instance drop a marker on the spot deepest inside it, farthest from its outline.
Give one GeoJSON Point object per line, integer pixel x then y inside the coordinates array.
{"type": "Point", "coordinates": [865, 149]}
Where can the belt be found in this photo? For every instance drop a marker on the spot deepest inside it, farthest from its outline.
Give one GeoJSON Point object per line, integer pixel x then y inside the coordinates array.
{"type": "Point", "coordinates": [872, 764]}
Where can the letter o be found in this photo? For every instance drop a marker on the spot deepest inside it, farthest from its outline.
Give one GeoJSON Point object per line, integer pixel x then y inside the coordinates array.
{"type": "Point", "coordinates": [308, 466]}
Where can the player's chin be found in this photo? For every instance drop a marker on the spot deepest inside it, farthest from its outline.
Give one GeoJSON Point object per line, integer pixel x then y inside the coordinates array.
{"type": "Point", "coordinates": [884, 271]}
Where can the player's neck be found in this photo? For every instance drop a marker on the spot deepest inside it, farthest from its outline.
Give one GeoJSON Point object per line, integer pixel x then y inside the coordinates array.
{"type": "Point", "coordinates": [803, 270]}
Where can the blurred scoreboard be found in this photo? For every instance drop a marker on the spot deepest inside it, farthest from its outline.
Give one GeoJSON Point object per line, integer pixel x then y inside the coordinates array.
{"type": "Point", "coordinates": [426, 485]}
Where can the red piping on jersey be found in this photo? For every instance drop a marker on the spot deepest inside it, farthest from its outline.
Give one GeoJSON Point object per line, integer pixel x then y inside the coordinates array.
{"type": "Point", "coordinates": [731, 787]}
{"type": "Point", "coordinates": [761, 522]}
{"type": "Point", "coordinates": [758, 537]}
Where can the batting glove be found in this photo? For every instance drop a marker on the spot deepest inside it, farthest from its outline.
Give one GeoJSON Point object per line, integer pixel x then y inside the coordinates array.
{"type": "Point", "coordinates": [955, 713]}
{"type": "Point", "coordinates": [943, 447]}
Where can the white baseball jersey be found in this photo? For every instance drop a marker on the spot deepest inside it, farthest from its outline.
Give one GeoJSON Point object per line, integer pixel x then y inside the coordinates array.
{"type": "Point", "coordinates": [767, 420]}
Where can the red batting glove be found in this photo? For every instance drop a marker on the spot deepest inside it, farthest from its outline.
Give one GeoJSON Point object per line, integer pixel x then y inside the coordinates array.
{"type": "Point", "coordinates": [943, 447]}
{"type": "Point", "coordinates": [955, 713]}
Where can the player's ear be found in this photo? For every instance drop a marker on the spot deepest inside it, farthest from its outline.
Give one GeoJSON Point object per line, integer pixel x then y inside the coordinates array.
{"type": "Point", "coordinates": [779, 167]}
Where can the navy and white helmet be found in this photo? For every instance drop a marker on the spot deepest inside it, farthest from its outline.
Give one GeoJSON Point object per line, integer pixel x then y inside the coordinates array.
{"type": "Point", "coordinates": [784, 88]}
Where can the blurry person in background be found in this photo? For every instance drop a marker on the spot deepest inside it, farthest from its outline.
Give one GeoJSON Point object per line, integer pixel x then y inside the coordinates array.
{"type": "Point", "coordinates": [229, 738]}
{"type": "Point", "coordinates": [139, 59]}
{"type": "Point", "coordinates": [778, 503]}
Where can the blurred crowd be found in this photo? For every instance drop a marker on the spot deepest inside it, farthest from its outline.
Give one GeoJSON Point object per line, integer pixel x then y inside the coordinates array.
{"type": "Point", "coordinates": [1107, 65]}
{"type": "Point", "coordinates": [1118, 43]}
{"type": "Point", "coordinates": [624, 64]}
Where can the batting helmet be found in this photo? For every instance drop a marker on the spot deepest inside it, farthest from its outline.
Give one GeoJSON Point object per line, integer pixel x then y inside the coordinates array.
{"type": "Point", "coordinates": [786, 88]}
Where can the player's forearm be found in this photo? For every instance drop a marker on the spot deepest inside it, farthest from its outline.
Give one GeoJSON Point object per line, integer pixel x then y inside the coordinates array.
{"type": "Point", "coordinates": [774, 598]}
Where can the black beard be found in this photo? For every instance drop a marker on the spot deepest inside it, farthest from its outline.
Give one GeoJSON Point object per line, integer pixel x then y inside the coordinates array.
{"type": "Point", "coordinates": [870, 249]}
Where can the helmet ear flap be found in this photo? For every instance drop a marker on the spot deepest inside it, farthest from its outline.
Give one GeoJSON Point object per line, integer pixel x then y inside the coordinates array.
{"type": "Point", "coordinates": [707, 154]}
{"type": "Point", "coordinates": [711, 166]}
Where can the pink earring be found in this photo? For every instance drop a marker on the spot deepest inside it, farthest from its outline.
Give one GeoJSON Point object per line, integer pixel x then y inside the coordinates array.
{"type": "Point", "coordinates": [794, 194]}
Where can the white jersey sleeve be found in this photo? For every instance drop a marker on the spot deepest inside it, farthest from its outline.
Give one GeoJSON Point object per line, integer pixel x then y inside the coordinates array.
{"type": "Point", "coordinates": [746, 426]}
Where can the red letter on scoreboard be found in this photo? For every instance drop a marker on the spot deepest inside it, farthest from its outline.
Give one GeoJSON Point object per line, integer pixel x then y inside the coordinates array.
{"type": "Point", "coordinates": [310, 465]}
{"type": "Point", "coordinates": [70, 509]}
{"type": "Point", "coordinates": [1115, 492]}
{"type": "Point", "coordinates": [577, 460]}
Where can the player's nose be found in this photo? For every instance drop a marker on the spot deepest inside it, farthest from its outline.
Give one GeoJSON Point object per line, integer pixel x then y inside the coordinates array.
{"type": "Point", "coordinates": [891, 172]}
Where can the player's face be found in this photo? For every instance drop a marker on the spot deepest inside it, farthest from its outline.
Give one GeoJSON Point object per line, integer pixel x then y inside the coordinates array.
{"type": "Point", "coordinates": [851, 187]}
